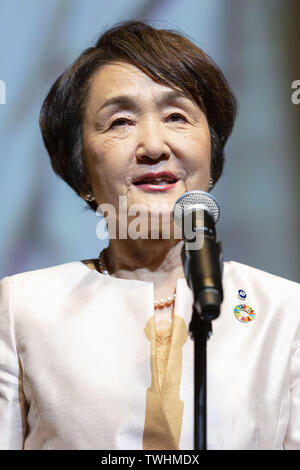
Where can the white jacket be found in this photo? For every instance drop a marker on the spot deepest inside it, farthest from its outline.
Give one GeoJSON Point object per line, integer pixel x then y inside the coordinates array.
{"type": "Point", "coordinates": [78, 367]}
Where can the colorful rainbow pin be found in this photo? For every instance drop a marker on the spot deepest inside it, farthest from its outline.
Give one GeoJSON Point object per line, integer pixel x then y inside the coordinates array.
{"type": "Point", "coordinates": [244, 313]}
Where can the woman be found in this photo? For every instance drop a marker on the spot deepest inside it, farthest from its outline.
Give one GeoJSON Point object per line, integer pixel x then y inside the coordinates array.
{"type": "Point", "coordinates": [90, 360]}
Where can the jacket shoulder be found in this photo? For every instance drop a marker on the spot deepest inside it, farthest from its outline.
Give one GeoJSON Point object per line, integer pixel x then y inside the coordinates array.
{"type": "Point", "coordinates": [62, 274]}
{"type": "Point", "coordinates": [235, 270]}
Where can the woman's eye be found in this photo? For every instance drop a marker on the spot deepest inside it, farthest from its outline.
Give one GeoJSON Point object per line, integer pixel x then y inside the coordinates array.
{"type": "Point", "coordinates": [124, 122]}
{"type": "Point", "coordinates": [119, 122]}
{"type": "Point", "coordinates": [176, 117]}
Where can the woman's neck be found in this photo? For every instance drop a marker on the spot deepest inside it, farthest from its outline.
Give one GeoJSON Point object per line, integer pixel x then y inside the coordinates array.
{"type": "Point", "coordinates": [157, 261]}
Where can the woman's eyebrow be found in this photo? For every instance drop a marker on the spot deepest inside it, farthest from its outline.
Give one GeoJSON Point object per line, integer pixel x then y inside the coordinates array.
{"type": "Point", "coordinates": [168, 97]}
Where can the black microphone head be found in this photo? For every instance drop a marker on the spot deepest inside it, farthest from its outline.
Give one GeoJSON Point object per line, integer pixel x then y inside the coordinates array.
{"type": "Point", "coordinates": [195, 199]}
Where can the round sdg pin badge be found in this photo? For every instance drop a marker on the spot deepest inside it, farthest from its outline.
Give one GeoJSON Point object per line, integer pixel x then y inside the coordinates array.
{"type": "Point", "coordinates": [244, 313]}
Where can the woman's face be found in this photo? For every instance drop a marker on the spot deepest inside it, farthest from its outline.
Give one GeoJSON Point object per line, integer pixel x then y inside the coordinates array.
{"type": "Point", "coordinates": [143, 140]}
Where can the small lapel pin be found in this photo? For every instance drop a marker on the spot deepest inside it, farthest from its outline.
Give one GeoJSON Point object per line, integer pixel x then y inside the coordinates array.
{"type": "Point", "coordinates": [242, 294]}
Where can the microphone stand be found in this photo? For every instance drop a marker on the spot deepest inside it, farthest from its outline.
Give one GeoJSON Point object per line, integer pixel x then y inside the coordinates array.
{"type": "Point", "coordinates": [200, 331]}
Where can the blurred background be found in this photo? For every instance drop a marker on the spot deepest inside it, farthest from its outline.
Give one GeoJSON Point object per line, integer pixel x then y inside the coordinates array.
{"type": "Point", "coordinates": [256, 44]}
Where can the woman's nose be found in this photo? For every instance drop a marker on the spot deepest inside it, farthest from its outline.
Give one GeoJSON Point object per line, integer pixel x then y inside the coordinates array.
{"type": "Point", "coordinates": [152, 144]}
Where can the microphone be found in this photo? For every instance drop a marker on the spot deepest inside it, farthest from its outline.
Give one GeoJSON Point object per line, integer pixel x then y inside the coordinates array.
{"type": "Point", "coordinates": [198, 212]}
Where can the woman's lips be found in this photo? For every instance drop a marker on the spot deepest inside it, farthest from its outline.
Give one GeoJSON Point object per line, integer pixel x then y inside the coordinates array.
{"type": "Point", "coordinates": [160, 181]}
{"type": "Point", "coordinates": [157, 187]}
